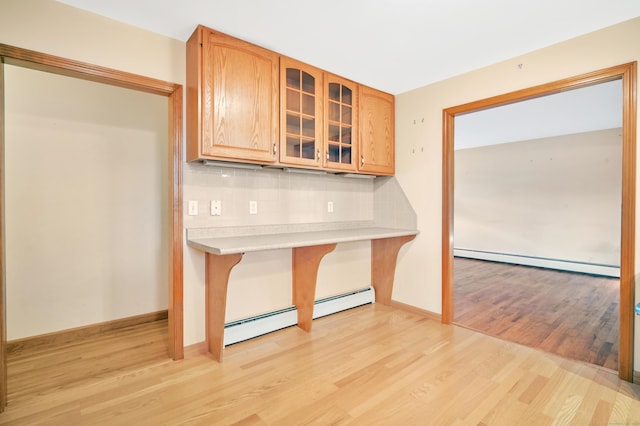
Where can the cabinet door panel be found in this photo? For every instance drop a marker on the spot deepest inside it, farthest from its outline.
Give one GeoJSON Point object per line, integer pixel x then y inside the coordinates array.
{"type": "Point", "coordinates": [340, 123]}
{"type": "Point", "coordinates": [376, 132]}
{"type": "Point", "coordinates": [301, 115]}
{"type": "Point", "coordinates": [240, 100]}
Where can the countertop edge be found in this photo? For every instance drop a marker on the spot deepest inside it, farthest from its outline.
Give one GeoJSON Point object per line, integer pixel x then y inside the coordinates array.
{"type": "Point", "coordinates": [249, 243]}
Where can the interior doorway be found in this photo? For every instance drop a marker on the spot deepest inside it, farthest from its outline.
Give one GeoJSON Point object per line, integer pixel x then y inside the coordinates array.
{"type": "Point", "coordinates": [86, 230]}
{"type": "Point", "coordinates": [173, 92]}
{"type": "Point", "coordinates": [538, 184]}
{"type": "Point", "coordinates": [627, 73]}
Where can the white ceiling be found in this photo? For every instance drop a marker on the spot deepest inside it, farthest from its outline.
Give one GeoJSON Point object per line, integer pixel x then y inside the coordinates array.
{"type": "Point", "coordinates": [392, 45]}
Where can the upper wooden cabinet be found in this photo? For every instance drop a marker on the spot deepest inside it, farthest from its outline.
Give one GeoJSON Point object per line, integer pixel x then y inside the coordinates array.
{"type": "Point", "coordinates": [301, 113]}
{"type": "Point", "coordinates": [232, 99]}
{"type": "Point", "coordinates": [376, 142]}
{"type": "Point", "coordinates": [249, 104]}
{"type": "Point", "coordinates": [341, 123]}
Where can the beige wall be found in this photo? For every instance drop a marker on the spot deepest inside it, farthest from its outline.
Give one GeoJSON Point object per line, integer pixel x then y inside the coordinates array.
{"type": "Point", "coordinates": [557, 198]}
{"type": "Point", "coordinates": [86, 218]}
{"type": "Point", "coordinates": [419, 146]}
{"type": "Point", "coordinates": [50, 27]}
{"type": "Point", "coordinates": [262, 281]}
{"type": "Point", "coordinates": [99, 279]}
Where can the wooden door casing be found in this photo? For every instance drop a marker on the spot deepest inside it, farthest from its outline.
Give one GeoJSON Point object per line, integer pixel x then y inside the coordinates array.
{"type": "Point", "coordinates": [76, 69]}
{"type": "Point", "coordinates": [628, 74]}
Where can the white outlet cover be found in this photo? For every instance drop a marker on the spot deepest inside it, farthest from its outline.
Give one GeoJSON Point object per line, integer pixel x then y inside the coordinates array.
{"type": "Point", "coordinates": [192, 207]}
{"type": "Point", "coordinates": [253, 207]}
{"type": "Point", "coordinates": [216, 207]}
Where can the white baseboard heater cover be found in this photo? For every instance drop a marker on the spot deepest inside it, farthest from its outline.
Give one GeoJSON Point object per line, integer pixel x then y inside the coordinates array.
{"type": "Point", "coordinates": [541, 262]}
{"type": "Point", "coordinates": [248, 328]}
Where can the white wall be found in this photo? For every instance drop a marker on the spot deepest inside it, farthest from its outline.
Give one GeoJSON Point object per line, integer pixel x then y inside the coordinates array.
{"type": "Point", "coordinates": [86, 217]}
{"type": "Point", "coordinates": [554, 198]}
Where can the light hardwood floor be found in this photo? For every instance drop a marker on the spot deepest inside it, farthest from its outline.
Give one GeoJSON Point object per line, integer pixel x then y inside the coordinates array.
{"type": "Point", "coordinates": [570, 314]}
{"type": "Point", "coordinates": [369, 365]}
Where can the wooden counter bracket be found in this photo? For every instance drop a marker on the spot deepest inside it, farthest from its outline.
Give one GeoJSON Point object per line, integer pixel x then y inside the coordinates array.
{"type": "Point", "coordinates": [384, 254]}
{"type": "Point", "coordinates": [217, 270]}
{"type": "Point", "coordinates": [305, 264]}
{"type": "Point", "coordinates": [306, 261]}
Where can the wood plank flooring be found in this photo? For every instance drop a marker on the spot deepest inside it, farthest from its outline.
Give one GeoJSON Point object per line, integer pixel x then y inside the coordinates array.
{"type": "Point", "coordinates": [373, 365]}
{"type": "Point", "coordinates": [570, 314]}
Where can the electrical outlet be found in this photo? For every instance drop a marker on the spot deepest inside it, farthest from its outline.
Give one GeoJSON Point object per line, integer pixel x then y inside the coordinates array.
{"type": "Point", "coordinates": [253, 207]}
{"type": "Point", "coordinates": [330, 207]}
{"type": "Point", "coordinates": [216, 207]}
{"type": "Point", "coordinates": [192, 208]}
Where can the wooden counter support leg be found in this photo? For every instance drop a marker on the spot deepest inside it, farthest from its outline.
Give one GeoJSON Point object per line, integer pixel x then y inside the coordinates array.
{"type": "Point", "coordinates": [384, 253]}
{"type": "Point", "coordinates": [217, 270]}
{"type": "Point", "coordinates": [306, 261]}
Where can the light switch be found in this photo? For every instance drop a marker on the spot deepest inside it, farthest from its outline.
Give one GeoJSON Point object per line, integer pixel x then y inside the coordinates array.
{"type": "Point", "coordinates": [216, 207]}
{"type": "Point", "coordinates": [192, 208]}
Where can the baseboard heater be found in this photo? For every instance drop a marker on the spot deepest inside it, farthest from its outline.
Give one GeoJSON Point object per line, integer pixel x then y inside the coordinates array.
{"type": "Point", "coordinates": [541, 262]}
{"type": "Point", "coordinates": [248, 328]}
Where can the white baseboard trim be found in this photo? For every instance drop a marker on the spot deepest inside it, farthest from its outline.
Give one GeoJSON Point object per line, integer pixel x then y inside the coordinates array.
{"type": "Point", "coordinates": [541, 262]}
{"type": "Point", "coordinates": [238, 331]}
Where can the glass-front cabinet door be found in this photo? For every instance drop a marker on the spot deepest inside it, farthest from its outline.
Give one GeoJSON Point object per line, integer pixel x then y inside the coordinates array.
{"type": "Point", "coordinates": [341, 106]}
{"type": "Point", "coordinates": [301, 113]}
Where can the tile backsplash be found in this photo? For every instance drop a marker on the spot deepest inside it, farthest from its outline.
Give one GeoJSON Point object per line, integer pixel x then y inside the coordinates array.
{"type": "Point", "coordinates": [282, 198]}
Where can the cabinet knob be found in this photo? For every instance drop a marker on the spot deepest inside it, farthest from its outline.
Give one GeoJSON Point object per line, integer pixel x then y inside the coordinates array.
{"type": "Point", "coordinates": [327, 155]}
{"type": "Point", "coordinates": [275, 149]}
{"type": "Point", "coordinates": [362, 161]}
{"type": "Point", "coordinates": [318, 155]}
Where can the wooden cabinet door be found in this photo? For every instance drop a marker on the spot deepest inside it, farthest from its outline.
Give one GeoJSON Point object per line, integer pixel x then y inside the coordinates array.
{"type": "Point", "coordinates": [237, 97]}
{"type": "Point", "coordinates": [301, 113]}
{"type": "Point", "coordinates": [376, 123]}
{"type": "Point", "coordinates": [341, 123]}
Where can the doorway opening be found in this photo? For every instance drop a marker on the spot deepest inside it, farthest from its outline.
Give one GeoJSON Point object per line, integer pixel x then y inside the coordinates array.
{"type": "Point", "coordinates": [537, 222]}
{"type": "Point", "coordinates": [173, 185]}
{"type": "Point", "coordinates": [627, 74]}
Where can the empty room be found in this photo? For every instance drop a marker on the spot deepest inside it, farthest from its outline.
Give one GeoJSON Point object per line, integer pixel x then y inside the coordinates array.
{"type": "Point", "coordinates": [252, 213]}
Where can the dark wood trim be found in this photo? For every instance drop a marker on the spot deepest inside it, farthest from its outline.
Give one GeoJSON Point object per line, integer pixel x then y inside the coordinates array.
{"type": "Point", "coordinates": [63, 66]}
{"type": "Point", "coordinates": [3, 314]}
{"type": "Point", "coordinates": [176, 265]}
{"type": "Point", "coordinates": [628, 74]}
{"type": "Point", "coordinates": [73, 334]}
{"type": "Point", "coordinates": [627, 249]}
{"type": "Point", "coordinates": [447, 216]}
{"type": "Point", "coordinates": [415, 310]}
{"type": "Point", "coordinates": [58, 65]}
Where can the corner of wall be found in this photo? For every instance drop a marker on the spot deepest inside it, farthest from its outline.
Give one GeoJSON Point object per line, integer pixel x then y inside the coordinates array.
{"type": "Point", "coordinates": [391, 207]}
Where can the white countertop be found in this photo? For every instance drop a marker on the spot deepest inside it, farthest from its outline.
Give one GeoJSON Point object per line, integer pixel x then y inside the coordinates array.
{"type": "Point", "coordinates": [246, 243]}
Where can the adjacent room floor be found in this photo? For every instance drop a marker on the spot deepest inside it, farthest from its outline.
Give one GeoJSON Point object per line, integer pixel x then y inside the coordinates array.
{"type": "Point", "coordinates": [569, 314]}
